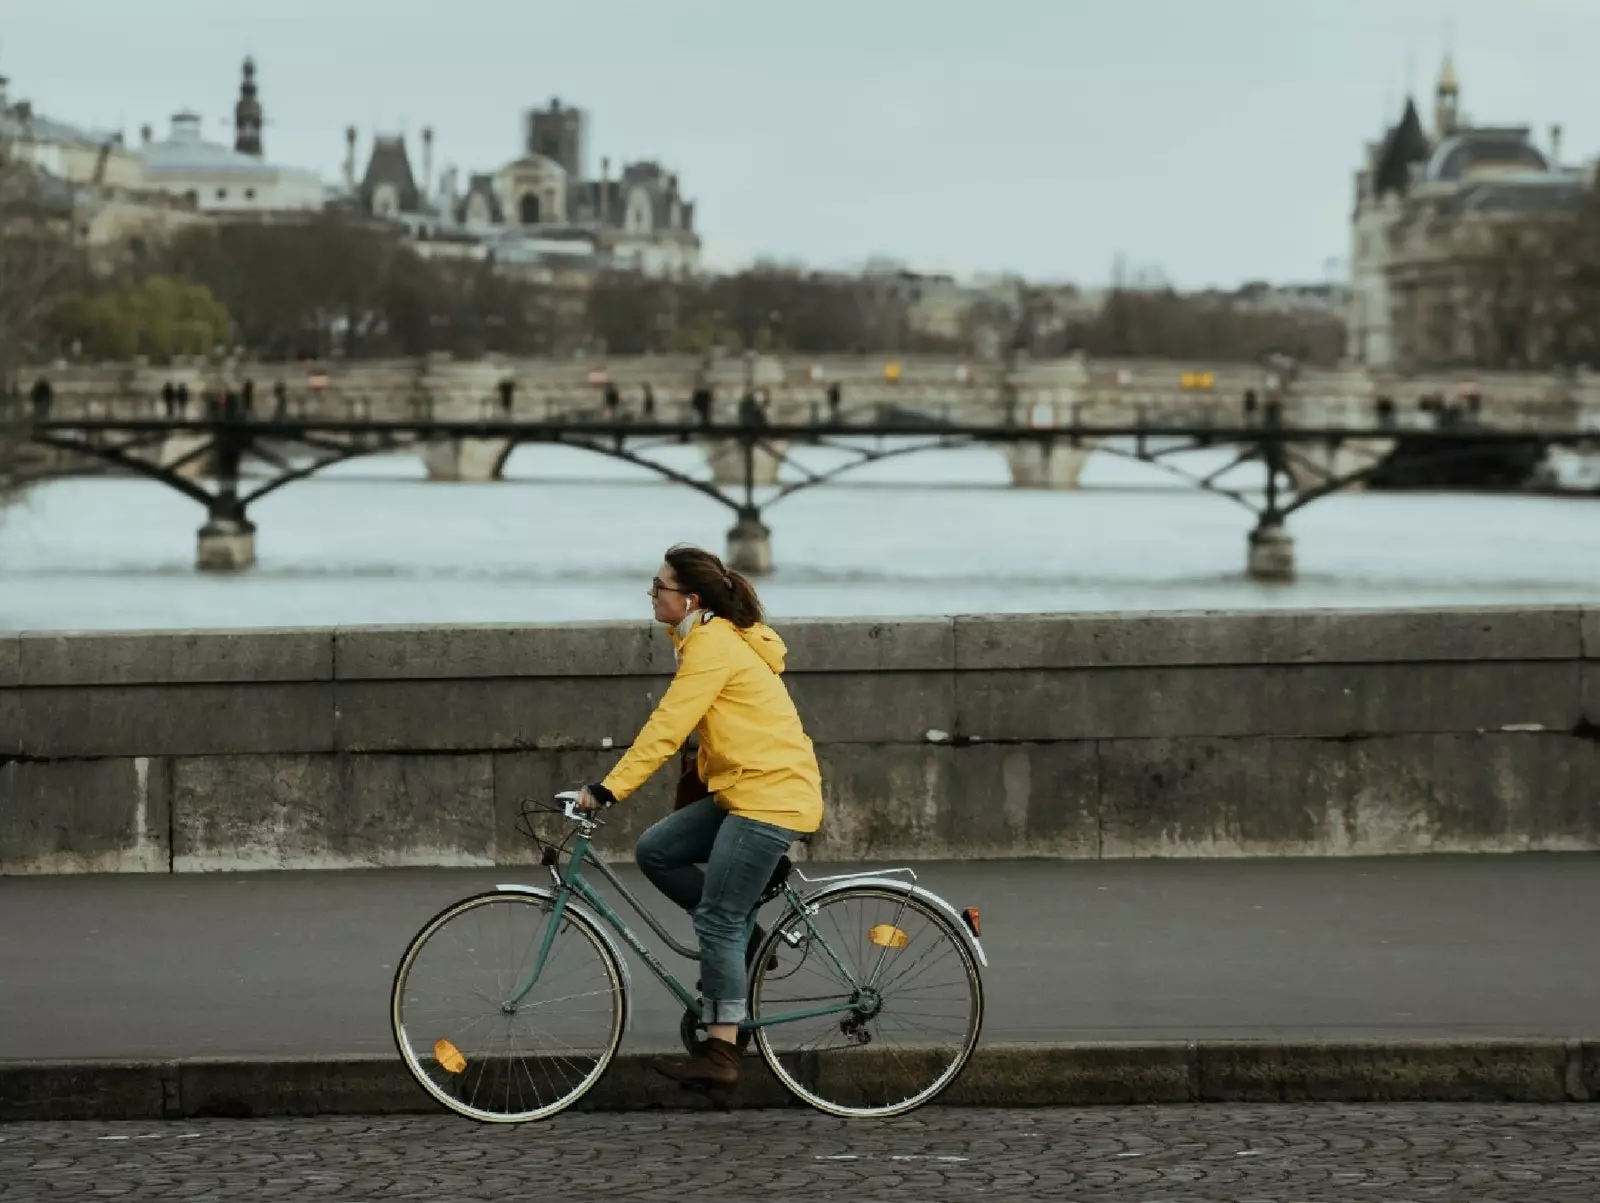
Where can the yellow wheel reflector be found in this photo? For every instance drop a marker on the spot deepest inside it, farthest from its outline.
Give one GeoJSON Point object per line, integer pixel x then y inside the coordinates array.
{"type": "Point", "coordinates": [449, 1056]}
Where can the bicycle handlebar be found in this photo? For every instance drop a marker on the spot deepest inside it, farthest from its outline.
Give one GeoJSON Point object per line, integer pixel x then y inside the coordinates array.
{"type": "Point", "coordinates": [570, 807]}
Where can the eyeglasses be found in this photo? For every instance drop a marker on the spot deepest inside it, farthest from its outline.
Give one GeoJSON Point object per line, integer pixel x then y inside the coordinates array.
{"type": "Point", "coordinates": [656, 587]}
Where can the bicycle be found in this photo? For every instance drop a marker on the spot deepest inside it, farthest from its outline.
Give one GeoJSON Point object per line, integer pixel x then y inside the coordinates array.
{"type": "Point", "coordinates": [851, 1065]}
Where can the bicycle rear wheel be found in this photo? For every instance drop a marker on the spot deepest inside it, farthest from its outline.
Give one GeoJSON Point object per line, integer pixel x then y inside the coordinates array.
{"type": "Point", "coordinates": [472, 1049]}
{"type": "Point", "coordinates": [913, 1018]}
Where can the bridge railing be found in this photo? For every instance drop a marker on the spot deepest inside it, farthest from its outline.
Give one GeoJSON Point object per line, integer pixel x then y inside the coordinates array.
{"type": "Point", "coordinates": [1044, 411]}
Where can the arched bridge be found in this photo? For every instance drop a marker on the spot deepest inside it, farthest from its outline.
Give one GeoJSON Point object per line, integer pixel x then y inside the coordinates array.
{"type": "Point", "coordinates": [1298, 465]}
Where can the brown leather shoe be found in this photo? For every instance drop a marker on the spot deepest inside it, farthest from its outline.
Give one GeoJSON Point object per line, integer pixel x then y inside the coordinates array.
{"type": "Point", "coordinates": [714, 1067]}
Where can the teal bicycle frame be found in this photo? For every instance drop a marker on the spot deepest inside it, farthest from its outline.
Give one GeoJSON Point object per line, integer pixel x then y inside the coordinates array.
{"type": "Point", "coordinates": [572, 882]}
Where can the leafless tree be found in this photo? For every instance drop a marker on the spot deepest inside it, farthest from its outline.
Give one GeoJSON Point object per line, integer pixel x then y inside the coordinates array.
{"type": "Point", "coordinates": [1170, 325]}
{"type": "Point", "coordinates": [35, 261]}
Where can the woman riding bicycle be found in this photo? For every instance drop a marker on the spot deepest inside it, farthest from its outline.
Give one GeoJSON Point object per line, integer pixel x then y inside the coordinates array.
{"type": "Point", "coordinates": [763, 788]}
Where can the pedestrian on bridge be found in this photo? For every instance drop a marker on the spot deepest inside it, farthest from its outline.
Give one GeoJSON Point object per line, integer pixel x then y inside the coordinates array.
{"type": "Point", "coordinates": [43, 397]}
{"type": "Point", "coordinates": [701, 402]}
{"type": "Point", "coordinates": [751, 411]}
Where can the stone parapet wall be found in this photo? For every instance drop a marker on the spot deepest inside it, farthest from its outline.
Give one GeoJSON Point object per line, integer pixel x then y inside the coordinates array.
{"type": "Point", "coordinates": [1278, 734]}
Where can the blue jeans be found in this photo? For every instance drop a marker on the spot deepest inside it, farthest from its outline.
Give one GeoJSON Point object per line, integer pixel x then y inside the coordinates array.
{"type": "Point", "coordinates": [739, 856]}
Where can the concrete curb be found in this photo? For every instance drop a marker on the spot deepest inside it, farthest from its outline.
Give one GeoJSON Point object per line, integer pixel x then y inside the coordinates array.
{"type": "Point", "coordinates": [1016, 1075]}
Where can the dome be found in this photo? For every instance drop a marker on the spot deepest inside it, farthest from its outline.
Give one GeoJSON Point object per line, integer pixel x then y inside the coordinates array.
{"type": "Point", "coordinates": [1484, 152]}
{"type": "Point", "coordinates": [185, 151]}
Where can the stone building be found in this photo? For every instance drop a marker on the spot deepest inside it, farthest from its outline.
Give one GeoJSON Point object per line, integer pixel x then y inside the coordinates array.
{"type": "Point", "coordinates": [64, 151]}
{"type": "Point", "coordinates": [541, 205]}
{"type": "Point", "coordinates": [220, 179]}
{"type": "Point", "coordinates": [1430, 203]}
{"type": "Point", "coordinates": [90, 185]}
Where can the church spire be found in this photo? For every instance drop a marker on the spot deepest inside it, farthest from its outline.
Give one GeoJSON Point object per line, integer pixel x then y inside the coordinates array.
{"type": "Point", "coordinates": [1447, 100]}
{"type": "Point", "coordinates": [247, 119]}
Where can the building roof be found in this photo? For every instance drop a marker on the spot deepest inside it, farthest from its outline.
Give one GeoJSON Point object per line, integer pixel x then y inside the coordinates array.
{"type": "Point", "coordinates": [480, 185]}
{"type": "Point", "coordinates": [391, 164]}
{"type": "Point", "coordinates": [185, 152]}
{"type": "Point", "coordinates": [19, 122]}
{"type": "Point", "coordinates": [1405, 144]}
{"type": "Point", "coordinates": [544, 162]}
{"type": "Point", "coordinates": [1497, 147]}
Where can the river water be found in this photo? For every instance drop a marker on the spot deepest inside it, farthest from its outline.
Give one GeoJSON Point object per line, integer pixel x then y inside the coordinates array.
{"type": "Point", "coordinates": [574, 536]}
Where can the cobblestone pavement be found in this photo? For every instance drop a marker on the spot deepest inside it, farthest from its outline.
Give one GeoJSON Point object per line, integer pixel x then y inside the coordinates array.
{"type": "Point", "coordinates": [1281, 1153]}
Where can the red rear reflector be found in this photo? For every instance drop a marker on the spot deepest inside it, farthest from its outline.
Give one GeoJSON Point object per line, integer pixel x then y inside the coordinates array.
{"type": "Point", "coordinates": [971, 916]}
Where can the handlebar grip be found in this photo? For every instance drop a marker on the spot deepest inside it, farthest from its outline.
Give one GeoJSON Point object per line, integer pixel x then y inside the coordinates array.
{"type": "Point", "coordinates": [569, 807]}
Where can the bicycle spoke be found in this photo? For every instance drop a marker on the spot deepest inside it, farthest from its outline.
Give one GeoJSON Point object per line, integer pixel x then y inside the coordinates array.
{"type": "Point", "coordinates": [453, 989]}
{"type": "Point", "coordinates": [913, 1023]}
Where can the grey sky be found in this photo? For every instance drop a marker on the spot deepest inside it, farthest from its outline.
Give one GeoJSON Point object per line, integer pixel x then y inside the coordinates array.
{"type": "Point", "coordinates": [1211, 138]}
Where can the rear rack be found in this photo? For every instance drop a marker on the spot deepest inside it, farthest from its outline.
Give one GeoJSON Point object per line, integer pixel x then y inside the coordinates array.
{"type": "Point", "coordinates": [800, 873]}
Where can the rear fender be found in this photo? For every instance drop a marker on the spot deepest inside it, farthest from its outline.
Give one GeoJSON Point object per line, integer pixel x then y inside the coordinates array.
{"type": "Point", "coordinates": [903, 887]}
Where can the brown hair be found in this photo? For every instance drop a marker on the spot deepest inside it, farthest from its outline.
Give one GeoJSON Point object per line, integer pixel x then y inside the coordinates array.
{"type": "Point", "coordinates": [726, 593]}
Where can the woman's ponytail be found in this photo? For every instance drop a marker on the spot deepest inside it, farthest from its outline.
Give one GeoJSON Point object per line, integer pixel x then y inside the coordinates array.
{"type": "Point", "coordinates": [744, 608]}
{"type": "Point", "coordinates": [725, 592]}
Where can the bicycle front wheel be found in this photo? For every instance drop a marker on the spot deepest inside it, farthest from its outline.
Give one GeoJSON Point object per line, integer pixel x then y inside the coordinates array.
{"type": "Point", "coordinates": [475, 1050]}
{"type": "Point", "coordinates": [904, 991]}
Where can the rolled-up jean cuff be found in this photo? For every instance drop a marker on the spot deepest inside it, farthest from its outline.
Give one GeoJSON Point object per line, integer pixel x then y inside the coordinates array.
{"type": "Point", "coordinates": [730, 1010]}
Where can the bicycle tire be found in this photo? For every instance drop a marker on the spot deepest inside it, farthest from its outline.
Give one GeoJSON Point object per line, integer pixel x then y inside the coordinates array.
{"type": "Point", "coordinates": [417, 1061]}
{"type": "Point", "coordinates": [802, 1073]}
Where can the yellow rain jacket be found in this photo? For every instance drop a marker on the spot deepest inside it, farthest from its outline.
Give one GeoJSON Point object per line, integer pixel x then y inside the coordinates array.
{"type": "Point", "coordinates": [754, 755]}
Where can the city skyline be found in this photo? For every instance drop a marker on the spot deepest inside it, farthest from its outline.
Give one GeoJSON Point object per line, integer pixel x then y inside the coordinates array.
{"type": "Point", "coordinates": [1221, 154]}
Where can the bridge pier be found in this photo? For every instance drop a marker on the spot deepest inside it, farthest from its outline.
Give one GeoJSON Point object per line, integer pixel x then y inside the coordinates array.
{"type": "Point", "coordinates": [469, 461]}
{"type": "Point", "coordinates": [1046, 465]}
{"type": "Point", "coordinates": [726, 458]}
{"type": "Point", "coordinates": [226, 544]}
{"type": "Point", "coordinates": [1271, 556]}
{"type": "Point", "coordinates": [750, 545]}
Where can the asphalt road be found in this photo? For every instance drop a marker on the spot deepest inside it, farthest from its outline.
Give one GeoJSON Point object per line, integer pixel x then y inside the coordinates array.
{"type": "Point", "coordinates": [301, 963]}
{"type": "Point", "coordinates": [1273, 1154]}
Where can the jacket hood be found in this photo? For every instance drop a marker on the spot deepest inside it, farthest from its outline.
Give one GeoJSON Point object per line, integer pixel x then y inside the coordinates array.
{"type": "Point", "coordinates": [766, 643]}
{"type": "Point", "coordinates": [763, 640]}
